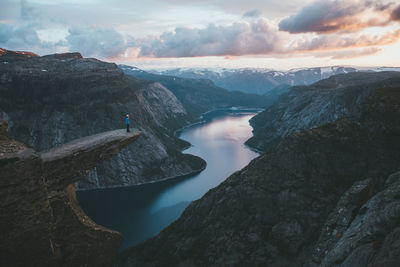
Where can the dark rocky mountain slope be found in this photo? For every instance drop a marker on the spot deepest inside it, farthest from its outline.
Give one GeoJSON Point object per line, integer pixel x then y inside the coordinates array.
{"type": "Point", "coordinates": [304, 202]}
{"type": "Point", "coordinates": [41, 221]}
{"type": "Point", "coordinates": [305, 107]}
{"type": "Point", "coordinates": [201, 95]}
{"type": "Point", "coordinates": [54, 99]}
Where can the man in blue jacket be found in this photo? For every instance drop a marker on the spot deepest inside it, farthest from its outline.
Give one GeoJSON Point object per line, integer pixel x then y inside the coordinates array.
{"type": "Point", "coordinates": [127, 121]}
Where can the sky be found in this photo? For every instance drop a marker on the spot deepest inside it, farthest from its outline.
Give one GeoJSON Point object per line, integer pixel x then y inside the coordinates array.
{"type": "Point", "coordinates": [272, 34]}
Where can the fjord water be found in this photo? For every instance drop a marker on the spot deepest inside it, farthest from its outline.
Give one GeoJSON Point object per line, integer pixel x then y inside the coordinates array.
{"type": "Point", "coordinates": [140, 212]}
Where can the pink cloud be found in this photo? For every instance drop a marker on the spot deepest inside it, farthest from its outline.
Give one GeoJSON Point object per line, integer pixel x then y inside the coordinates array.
{"type": "Point", "coordinates": [327, 16]}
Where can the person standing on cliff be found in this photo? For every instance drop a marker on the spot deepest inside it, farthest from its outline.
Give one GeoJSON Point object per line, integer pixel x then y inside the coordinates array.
{"type": "Point", "coordinates": [127, 122]}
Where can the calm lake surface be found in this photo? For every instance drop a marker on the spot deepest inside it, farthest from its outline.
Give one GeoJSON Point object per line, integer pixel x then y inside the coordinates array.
{"type": "Point", "coordinates": [140, 212]}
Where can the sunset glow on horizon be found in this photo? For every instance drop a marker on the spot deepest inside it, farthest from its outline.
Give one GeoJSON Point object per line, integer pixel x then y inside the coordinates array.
{"type": "Point", "coordinates": [209, 33]}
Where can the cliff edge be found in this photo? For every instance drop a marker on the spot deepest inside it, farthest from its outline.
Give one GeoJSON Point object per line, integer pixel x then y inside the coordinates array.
{"type": "Point", "coordinates": [54, 99]}
{"type": "Point", "coordinates": [45, 225]}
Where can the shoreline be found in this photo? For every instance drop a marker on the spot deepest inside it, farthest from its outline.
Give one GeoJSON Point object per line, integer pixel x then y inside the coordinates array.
{"type": "Point", "coordinates": [253, 149]}
{"type": "Point", "coordinates": [201, 117]}
{"type": "Point", "coordinates": [166, 179]}
{"type": "Point", "coordinates": [176, 134]}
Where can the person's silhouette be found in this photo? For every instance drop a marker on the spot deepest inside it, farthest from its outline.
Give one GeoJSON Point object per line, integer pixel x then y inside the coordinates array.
{"type": "Point", "coordinates": [127, 122]}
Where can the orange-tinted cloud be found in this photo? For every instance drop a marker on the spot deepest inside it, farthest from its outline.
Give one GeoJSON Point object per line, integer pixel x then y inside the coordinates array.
{"type": "Point", "coordinates": [349, 53]}
{"type": "Point", "coordinates": [254, 38]}
{"type": "Point", "coordinates": [327, 16]}
{"type": "Point", "coordinates": [331, 20]}
{"type": "Point", "coordinates": [337, 42]}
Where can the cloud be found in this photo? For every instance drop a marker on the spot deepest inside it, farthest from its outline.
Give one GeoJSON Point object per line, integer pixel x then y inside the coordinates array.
{"type": "Point", "coordinates": [240, 38]}
{"type": "Point", "coordinates": [22, 37]}
{"type": "Point", "coordinates": [396, 13]}
{"type": "Point", "coordinates": [331, 22]}
{"type": "Point", "coordinates": [27, 12]}
{"type": "Point", "coordinates": [351, 53]}
{"type": "Point", "coordinates": [97, 42]}
{"type": "Point", "coordinates": [336, 42]}
{"type": "Point", "coordinates": [325, 16]}
{"type": "Point", "coordinates": [355, 53]}
{"type": "Point", "coordinates": [272, 8]}
{"type": "Point", "coordinates": [36, 21]}
{"type": "Point", "coordinates": [255, 38]}
{"type": "Point", "coordinates": [90, 41]}
{"type": "Point", "coordinates": [255, 13]}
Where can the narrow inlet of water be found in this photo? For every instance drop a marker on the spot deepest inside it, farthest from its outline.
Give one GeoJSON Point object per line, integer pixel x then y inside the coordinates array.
{"type": "Point", "coordinates": [141, 212]}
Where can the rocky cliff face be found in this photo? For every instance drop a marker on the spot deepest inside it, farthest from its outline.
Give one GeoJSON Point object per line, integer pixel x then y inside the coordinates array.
{"type": "Point", "coordinates": [305, 107]}
{"type": "Point", "coordinates": [304, 202]}
{"type": "Point", "coordinates": [41, 221]}
{"type": "Point", "coordinates": [54, 99]}
{"type": "Point", "coordinates": [363, 229]}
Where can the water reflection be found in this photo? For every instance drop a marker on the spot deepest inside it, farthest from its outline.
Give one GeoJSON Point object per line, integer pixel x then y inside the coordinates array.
{"type": "Point", "coordinates": [140, 212]}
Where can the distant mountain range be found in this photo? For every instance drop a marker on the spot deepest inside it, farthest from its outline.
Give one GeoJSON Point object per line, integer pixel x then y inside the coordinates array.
{"type": "Point", "coordinates": [262, 81]}
{"type": "Point", "coordinates": [200, 95]}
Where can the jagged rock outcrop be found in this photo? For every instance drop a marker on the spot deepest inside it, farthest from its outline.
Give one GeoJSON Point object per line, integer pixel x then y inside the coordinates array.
{"type": "Point", "coordinates": [54, 99]}
{"type": "Point", "coordinates": [64, 56]}
{"type": "Point", "coordinates": [305, 107]}
{"type": "Point", "coordinates": [363, 229]}
{"type": "Point", "coordinates": [273, 212]}
{"type": "Point", "coordinates": [41, 221]}
{"type": "Point", "coordinates": [342, 216]}
{"type": "Point", "coordinates": [15, 54]}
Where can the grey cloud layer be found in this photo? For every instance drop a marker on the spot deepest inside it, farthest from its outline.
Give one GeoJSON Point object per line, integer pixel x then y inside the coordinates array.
{"type": "Point", "coordinates": [240, 38]}
{"type": "Point", "coordinates": [23, 36]}
{"type": "Point", "coordinates": [95, 42]}
{"type": "Point", "coordinates": [272, 8]}
{"type": "Point", "coordinates": [253, 13]}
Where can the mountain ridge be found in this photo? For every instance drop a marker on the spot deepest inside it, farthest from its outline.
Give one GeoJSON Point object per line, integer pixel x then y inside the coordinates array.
{"type": "Point", "coordinates": [275, 211]}
{"type": "Point", "coordinates": [304, 107]}
{"type": "Point", "coordinates": [200, 95]}
{"type": "Point", "coordinates": [262, 80]}
{"type": "Point", "coordinates": [53, 99]}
